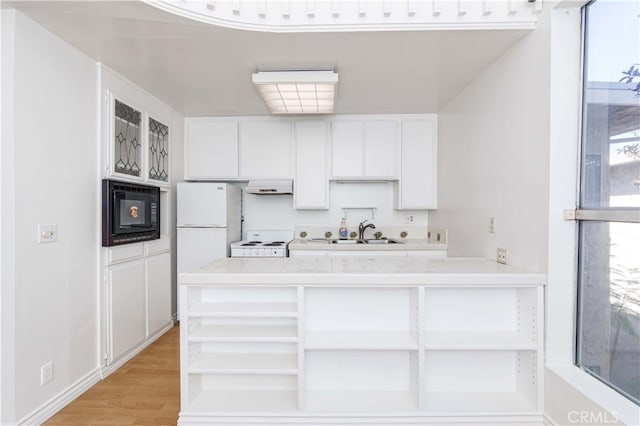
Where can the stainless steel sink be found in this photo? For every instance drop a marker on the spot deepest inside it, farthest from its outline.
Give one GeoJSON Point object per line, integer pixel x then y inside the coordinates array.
{"type": "Point", "coordinates": [372, 241]}
{"type": "Point", "coordinates": [347, 241]}
{"type": "Point", "coordinates": [383, 241]}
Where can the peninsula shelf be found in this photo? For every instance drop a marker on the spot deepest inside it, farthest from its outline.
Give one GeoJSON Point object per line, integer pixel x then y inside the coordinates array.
{"type": "Point", "coordinates": [414, 341]}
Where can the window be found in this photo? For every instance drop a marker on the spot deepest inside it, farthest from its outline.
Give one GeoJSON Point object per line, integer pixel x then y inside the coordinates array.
{"type": "Point", "coordinates": [608, 314]}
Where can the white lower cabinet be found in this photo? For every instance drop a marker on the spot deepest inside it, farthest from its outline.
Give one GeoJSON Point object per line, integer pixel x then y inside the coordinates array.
{"type": "Point", "coordinates": [126, 298]}
{"type": "Point", "coordinates": [158, 291]}
{"type": "Point", "coordinates": [138, 304]}
{"type": "Point", "coordinates": [419, 352]}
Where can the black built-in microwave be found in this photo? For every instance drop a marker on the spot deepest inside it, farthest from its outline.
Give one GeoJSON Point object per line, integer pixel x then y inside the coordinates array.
{"type": "Point", "coordinates": [130, 212]}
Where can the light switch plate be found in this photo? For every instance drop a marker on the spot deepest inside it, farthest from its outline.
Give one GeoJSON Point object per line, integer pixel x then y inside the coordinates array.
{"type": "Point", "coordinates": [47, 233]}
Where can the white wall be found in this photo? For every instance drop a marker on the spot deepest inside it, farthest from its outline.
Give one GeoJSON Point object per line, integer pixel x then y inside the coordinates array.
{"type": "Point", "coordinates": [493, 149]}
{"type": "Point", "coordinates": [7, 224]}
{"type": "Point", "coordinates": [56, 172]}
{"type": "Point", "coordinates": [276, 211]}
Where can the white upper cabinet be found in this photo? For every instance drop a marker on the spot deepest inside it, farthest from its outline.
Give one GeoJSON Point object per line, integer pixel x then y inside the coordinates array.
{"type": "Point", "coordinates": [400, 148]}
{"type": "Point", "coordinates": [139, 143]}
{"type": "Point", "coordinates": [347, 147]}
{"type": "Point", "coordinates": [417, 186]}
{"type": "Point", "coordinates": [135, 132]}
{"type": "Point", "coordinates": [157, 150]}
{"type": "Point", "coordinates": [265, 149]}
{"type": "Point", "coordinates": [126, 139]}
{"type": "Point", "coordinates": [380, 149]}
{"type": "Point", "coordinates": [311, 181]}
{"type": "Point", "coordinates": [364, 149]}
{"type": "Point", "coordinates": [211, 149]}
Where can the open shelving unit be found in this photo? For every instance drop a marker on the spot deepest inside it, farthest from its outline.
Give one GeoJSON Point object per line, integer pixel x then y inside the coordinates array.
{"type": "Point", "coordinates": [361, 380]}
{"type": "Point", "coordinates": [361, 357]}
{"type": "Point", "coordinates": [242, 350]}
{"type": "Point", "coordinates": [490, 318]}
{"type": "Point", "coordinates": [424, 351]}
{"type": "Point", "coordinates": [482, 347]}
{"type": "Point", "coordinates": [238, 330]}
{"type": "Point", "coordinates": [226, 393]}
{"type": "Point", "coordinates": [249, 309]}
{"type": "Point", "coordinates": [486, 380]}
{"type": "Point", "coordinates": [364, 339]}
{"type": "Point", "coordinates": [243, 359]}
{"type": "Point", "coordinates": [336, 318]}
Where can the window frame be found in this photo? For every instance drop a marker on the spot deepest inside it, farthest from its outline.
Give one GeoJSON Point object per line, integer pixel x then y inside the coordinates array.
{"type": "Point", "coordinates": [567, 389]}
{"type": "Point", "coordinates": [591, 214]}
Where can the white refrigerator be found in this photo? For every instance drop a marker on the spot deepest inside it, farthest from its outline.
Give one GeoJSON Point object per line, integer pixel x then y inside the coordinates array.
{"type": "Point", "coordinates": [208, 220]}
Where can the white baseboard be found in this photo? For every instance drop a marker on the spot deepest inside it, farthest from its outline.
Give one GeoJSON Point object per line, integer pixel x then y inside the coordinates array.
{"type": "Point", "coordinates": [382, 420]}
{"type": "Point", "coordinates": [58, 402]}
{"type": "Point", "coordinates": [107, 370]}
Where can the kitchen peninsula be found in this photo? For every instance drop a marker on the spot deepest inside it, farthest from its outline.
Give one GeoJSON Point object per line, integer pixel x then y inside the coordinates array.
{"type": "Point", "coordinates": [362, 340]}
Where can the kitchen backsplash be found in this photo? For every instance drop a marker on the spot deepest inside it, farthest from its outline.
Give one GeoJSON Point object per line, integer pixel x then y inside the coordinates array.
{"type": "Point", "coordinates": [361, 199]}
{"type": "Point", "coordinates": [436, 235]}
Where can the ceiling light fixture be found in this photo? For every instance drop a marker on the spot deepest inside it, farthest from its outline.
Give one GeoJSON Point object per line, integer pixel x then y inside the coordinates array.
{"type": "Point", "coordinates": [297, 92]}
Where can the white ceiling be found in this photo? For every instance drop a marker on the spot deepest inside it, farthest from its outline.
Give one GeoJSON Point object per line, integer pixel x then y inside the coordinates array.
{"type": "Point", "coordinates": [204, 70]}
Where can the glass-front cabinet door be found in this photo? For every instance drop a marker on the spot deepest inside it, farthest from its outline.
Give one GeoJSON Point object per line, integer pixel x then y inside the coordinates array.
{"type": "Point", "coordinates": [139, 154]}
{"type": "Point", "coordinates": [158, 151]}
{"type": "Point", "coordinates": [127, 142]}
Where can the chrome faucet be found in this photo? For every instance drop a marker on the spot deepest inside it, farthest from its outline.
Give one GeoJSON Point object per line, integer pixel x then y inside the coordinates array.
{"type": "Point", "coordinates": [362, 227]}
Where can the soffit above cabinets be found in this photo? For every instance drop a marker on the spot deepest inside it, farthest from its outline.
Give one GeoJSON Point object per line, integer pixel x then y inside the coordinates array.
{"type": "Point", "coordinates": [205, 70]}
{"type": "Point", "coordinates": [352, 15]}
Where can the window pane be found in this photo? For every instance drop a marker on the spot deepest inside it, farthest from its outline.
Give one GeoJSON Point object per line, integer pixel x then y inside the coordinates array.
{"type": "Point", "coordinates": [611, 111]}
{"type": "Point", "coordinates": [609, 304]}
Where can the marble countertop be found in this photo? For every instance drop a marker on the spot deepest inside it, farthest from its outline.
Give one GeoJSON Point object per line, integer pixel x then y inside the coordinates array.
{"type": "Point", "coordinates": [403, 244]}
{"type": "Point", "coordinates": [359, 271]}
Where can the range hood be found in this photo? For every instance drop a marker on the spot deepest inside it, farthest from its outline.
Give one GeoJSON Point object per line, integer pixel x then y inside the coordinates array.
{"type": "Point", "coordinates": [270, 187]}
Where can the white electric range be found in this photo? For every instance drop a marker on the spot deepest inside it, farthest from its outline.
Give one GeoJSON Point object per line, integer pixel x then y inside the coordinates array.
{"type": "Point", "coordinates": [263, 244]}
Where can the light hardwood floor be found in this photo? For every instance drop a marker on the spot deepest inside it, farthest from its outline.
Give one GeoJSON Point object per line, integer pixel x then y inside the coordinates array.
{"type": "Point", "coordinates": [144, 391]}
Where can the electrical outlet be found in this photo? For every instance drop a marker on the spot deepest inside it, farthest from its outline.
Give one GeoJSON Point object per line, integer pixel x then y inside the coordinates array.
{"type": "Point", "coordinates": [46, 373]}
{"type": "Point", "coordinates": [47, 233]}
{"type": "Point", "coordinates": [492, 225]}
{"type": "Point", "coordinates": [409, 219]}
{"type": "Point", "coordinates": [501, 256]}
